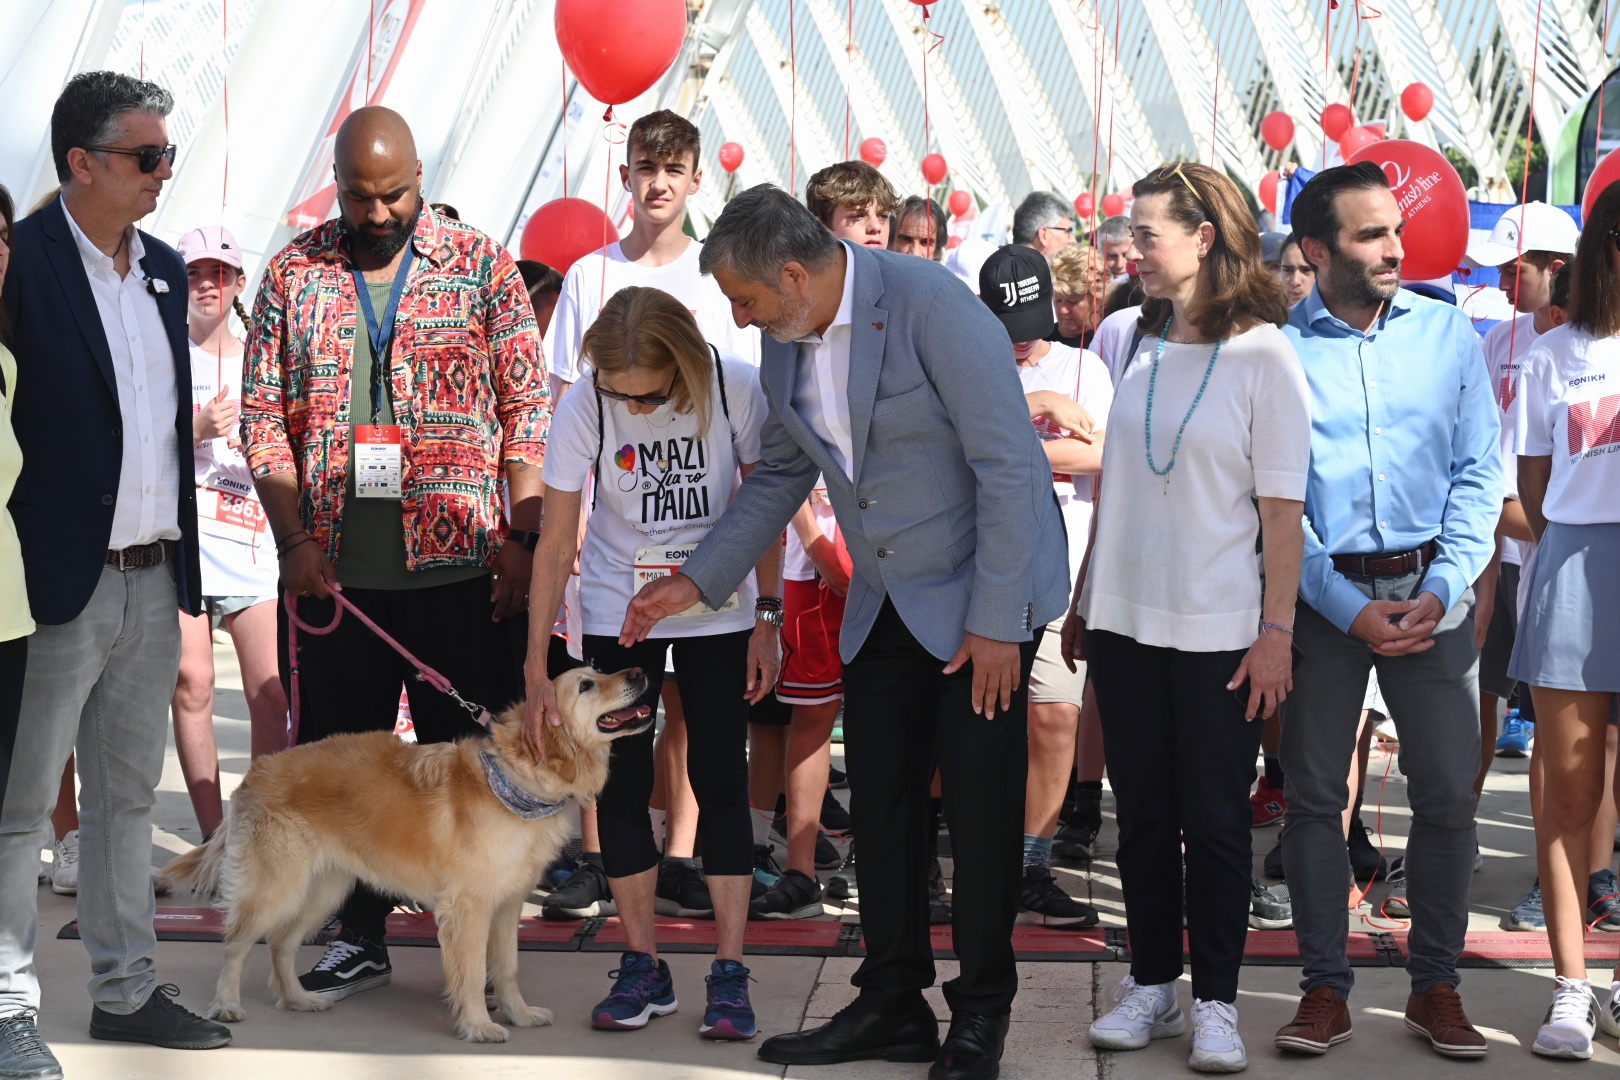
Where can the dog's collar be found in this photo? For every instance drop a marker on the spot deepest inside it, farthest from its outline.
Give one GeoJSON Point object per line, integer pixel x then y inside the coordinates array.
{"type": "Point", "coordinates": [514, 798]}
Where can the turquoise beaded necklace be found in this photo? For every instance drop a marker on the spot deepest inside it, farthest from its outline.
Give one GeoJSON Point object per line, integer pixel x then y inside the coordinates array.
{"type": "Point", "coordinates": [1153, 379]}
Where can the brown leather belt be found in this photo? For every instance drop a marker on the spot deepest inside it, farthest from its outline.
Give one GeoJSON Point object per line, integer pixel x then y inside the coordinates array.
{"type": "Point", "coordinates": [142, 555]}
{"type": "Point", "coordinates": [1387, 564]}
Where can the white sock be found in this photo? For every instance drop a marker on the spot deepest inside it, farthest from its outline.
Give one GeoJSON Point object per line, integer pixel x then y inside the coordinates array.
{"type": "Point", "coordinates": [762, 825]}
{"type": "Point", "coordinates": [658, 817]}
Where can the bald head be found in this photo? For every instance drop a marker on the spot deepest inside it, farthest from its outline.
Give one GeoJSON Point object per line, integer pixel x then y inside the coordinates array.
{"type": "Point", "coordinates": [379, 181]}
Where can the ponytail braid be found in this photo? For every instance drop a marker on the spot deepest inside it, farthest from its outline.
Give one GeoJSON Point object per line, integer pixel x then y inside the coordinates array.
{"type": "Point", "coordinates": [241, 313]}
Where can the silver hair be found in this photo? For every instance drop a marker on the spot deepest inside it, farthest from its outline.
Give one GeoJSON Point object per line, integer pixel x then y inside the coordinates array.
{"type": "Point", "coordinates": [90, 111]}
{"type": "Point", "coordinates": [1114, 230]}
{"type": "Point", "coordinates": [1038, 210]}
{"type": "Point", "coordinates": [760, 231]}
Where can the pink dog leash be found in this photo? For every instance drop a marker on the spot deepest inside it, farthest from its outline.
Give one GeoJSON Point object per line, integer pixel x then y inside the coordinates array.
{"type": "Point", "coordinates": [423, 672]}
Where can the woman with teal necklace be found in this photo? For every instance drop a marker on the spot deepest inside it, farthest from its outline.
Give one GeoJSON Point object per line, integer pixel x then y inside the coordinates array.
{"type": "Point", "coordinates": [1186, 629]}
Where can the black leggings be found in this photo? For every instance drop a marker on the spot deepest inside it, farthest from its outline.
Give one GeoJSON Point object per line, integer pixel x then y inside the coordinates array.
{"type": "Point", "coordinates": [711, 672]}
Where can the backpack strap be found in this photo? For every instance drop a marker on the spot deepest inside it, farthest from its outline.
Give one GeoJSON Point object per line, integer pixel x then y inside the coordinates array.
{"type": "Point", "coordinates": [725, 408]}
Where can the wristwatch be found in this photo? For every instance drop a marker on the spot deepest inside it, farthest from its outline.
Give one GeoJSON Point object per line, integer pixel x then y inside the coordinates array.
{"type": "Point", "coordinates": [768, 610]}
{"type": "Point", "coordinates": [528, 538]}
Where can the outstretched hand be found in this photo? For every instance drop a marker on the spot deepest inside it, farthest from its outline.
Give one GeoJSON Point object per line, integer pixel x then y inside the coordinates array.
{"type": "Point", "coordinates": [656, 601]}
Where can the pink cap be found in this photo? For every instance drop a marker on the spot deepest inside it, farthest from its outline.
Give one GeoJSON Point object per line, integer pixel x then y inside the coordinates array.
{"type": "Point", "coordinates": [211, 242]}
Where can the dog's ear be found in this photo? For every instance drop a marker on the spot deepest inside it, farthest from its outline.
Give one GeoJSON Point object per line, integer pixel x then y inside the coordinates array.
{"type": "Point", "coordinates": [561, 756]}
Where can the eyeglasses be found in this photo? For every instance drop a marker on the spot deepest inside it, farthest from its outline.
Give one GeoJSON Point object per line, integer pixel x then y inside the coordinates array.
{"type": "Point", "coordinates": [653, 400]}
{"type": "Point", "coordinates": [1174, 169]}
{"type": "Point", "coordinates": [149, 155]}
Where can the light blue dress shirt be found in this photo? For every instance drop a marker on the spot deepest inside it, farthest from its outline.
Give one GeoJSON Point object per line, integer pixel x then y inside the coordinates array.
{"type": "Point", "coordinates": [1404, 447]}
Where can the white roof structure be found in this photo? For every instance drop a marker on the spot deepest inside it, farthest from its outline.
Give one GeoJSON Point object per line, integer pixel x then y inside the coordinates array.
{"type": "Point", "coordinates": [1068, 95]}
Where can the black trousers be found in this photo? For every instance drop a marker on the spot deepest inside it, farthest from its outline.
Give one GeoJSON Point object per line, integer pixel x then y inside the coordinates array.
{"type": "Point", "coordinates": [902, 716]}
{"type": "Point", "coordinates": [712, 677]}
{"type": "Point", "coordinates": [13, 665]}
{"type": "Point", "coordinates": [349, 680]}
{"type": "Point", "coordinates": [1180, 760]}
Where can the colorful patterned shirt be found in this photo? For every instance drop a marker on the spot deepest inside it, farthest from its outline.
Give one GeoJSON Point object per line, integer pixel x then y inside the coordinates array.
{"type": "Point", "coordinates": [468, 381]}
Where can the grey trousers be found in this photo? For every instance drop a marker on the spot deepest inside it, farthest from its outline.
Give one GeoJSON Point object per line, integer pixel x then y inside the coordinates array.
{"type": "Point", "coordinates": [1434, 698]}
{"type": "Point", "coordinates": [103, 682]}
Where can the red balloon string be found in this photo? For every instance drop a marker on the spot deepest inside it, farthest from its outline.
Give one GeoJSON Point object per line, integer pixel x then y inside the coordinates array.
{"type": "Point", "coordinates": [1524, 188]}
{"type": "Point", "coordinates": [1215, 108]}
{"type": "Point", "coordinates": [849, 60]}
{"type": "Point", "coordinates": [225, 102]}
{"type": "Point", "coordinates": [1327, 66]}
{"type": "Point", "coordinates": [793, 98]}
{"type": "Point", "coordinates": [939, 39]}
{"type": "Point", "coordinates": [1597, 140]}
{"type": "Point", "coordinates": [562, 128]}
{"type": "Point", "coordinates": [143, 39]}
{"type": "Point", "coordinates": [371, 29]}
{"type": "Point", "coordinates": [610, 129]}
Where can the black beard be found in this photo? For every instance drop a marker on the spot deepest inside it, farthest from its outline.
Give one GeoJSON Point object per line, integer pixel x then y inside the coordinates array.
{"type": "Point", "coordinates": [1353, 282]}
{"type": "Point", "coordinates": [385, 245]}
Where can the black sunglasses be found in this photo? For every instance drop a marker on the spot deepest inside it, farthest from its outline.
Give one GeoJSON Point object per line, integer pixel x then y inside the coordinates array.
{"type": "Point", "coordinates": [149, 155]}
{"type": "Point", "coordinates": [653, 400]}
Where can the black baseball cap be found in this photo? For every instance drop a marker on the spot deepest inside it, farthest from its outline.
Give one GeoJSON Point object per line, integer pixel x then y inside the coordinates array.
{"type": "Point", "coordinates": [1016, 283]}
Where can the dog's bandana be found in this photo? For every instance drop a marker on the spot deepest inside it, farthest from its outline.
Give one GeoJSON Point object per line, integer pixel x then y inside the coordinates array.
{"type": "Point", "coordinates": [514, 798]}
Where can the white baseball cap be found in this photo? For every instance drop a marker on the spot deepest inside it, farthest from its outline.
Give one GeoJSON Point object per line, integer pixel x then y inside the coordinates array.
{"type": "Point", "coordinates": [210, 242]}
{"type": "Point", "coordinates": [1534, 226]}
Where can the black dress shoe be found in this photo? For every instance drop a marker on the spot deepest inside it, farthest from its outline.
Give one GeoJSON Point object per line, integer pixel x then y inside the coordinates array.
{"type": "Point", "coordinates": [859, 1033]}
{"type": "Point", "coordinates": [972, 1048]}
{"type": "Point", "coordinates": [162, 1021]}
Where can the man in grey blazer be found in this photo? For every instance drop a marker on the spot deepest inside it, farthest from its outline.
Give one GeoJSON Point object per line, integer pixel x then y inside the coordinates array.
{"type": "Point", "coordinates": [886, 374]}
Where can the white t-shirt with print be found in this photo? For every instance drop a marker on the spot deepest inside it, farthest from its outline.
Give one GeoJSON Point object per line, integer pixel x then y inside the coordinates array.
{"type": "Point", "coordinates": [1113, 339]}
{"type": "Point", "coordinates": [1569, 409]}
{"type": "Point", "coordinates": [597, 276]}
{"type": "Point", "coordinates": [1506, 346]}
{"type": "Point", "coordinates": [662, 484]}
{"type": "Point", "coordinates": [1077, 374]}
{"type": "Point", "coordinates": [796, 563]}
{"type": "Point", "coordinates": [238, 552]}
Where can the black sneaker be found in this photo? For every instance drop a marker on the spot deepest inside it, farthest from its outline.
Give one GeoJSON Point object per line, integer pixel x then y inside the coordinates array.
{"type": "Point", "coordinates": [1366, 861]}
{"type": "Point", "coordinates": [1042, 902]}
{"type": "Point", "coordinates": [827, 857]}
{"type": "Point", "coordinates": [794, 896]}
{"type": "Point", "coordinates": [348, 968]}
{"type": "Point", "coordinates": [1394, 905]}
{"type": "Point", "coordinates": [23, 1053]}
{"type": "Point", "coordinates": [1270, 909]}
{"type": "Point", "coordinates": [939, 904]}
{"type": "Point", "coordinates": [1273, 863]}
{"type": "Point", "coordinates": [585, 895]}
{"type": "Point", "coordinates": [162, 1021]}
{"type": "Point", "coordinates": [834, 818]}
{"type": "Point", "coordinates": [683, 891]}
{"type": "Point", "coordinates": [1078, 828]}
{"type": "Point", "coordinates": [843, 885]}
{"type": "Point", "coordinates": [837, 778]}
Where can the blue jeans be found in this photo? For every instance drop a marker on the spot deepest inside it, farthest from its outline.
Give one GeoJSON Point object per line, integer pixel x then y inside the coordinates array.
{"type": "Point", "coordinates": [102, 681]}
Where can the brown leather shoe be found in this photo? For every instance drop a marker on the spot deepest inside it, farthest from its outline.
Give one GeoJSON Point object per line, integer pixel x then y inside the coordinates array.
{"type": "Point", "coordinates": [1322, 1021]}
{"type": "Point", "coordinates": [1437, 1014]}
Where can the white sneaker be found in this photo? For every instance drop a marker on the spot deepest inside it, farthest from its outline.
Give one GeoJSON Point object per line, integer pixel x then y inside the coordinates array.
{"type": "Point", "coordinates": [1216, 1045]}
{"type": "Point", "coordinates": [1608, 1016]}
{"type": "Point", "coordinates": [65, 870]}
{"type": "Point", "coordinates": [1140, 1015]}
{"type": "Point", "coordinates": [1571, 1019]}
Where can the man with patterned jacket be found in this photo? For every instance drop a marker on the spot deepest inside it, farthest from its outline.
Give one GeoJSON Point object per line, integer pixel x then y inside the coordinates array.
{"type": "Point", "coordinates": [394, 370]}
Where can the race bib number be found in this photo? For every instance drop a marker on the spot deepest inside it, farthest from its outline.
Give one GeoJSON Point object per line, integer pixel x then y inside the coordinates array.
{"type": "Point", "coordinates": [377, 461]}
{"type": "Point", "coordinates": [653, 563]}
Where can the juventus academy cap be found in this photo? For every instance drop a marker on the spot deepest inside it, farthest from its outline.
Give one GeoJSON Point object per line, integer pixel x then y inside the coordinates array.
{"type": "Point", "coordinates": [1016, 283]}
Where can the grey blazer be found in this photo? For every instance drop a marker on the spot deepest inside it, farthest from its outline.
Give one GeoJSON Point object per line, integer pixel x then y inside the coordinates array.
{"type": "Point", "coordinates": [951, 511]}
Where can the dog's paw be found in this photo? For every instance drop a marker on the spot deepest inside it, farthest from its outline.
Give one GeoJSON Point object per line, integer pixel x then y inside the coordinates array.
{"type": "Point", "coordinates": [529, 1016]}
{"type": "Point", "coordinates": [485, 1032]}
{"type": "Point", "coordinates": [226, 1012]}
{"type": "Point", "coordinates": [304, 1003]}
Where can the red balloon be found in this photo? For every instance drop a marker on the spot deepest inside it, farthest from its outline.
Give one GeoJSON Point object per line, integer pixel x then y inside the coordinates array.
{"type": "Point", "coordinates": [922, 3]}
{"type": "Point", "coordinates": [1336, 120]}
{"type": "Point", "coordinates": [1085, 204]}
{"type": "Point", "coordinates": [1430, 195]}
{"type": "Point", "coordinates": [1277, 129]}
{"type": "Point", "coordinates": [1417, 100]}
{"type": "Point", "coordinates": [1355, 140]}
{"type": "Point", "coordinates": [1606, 173]}
{"type": "Point", "coordinates": [1268, 190]}
{"type": "Point", "coordinates": [563, 230]}
{"type": "Point", "coordinates": [874, 150]}
{"type": "Point", "coordinates": [1113, 205]}
{"type": "Point", "coordinates": [731, 156]}
{"type": "Point", "coordinates": [961, 202]}
{"type": "Point", "coordinates": [934, 168]}
{"type": "Point", "coordinates": [619, 48]}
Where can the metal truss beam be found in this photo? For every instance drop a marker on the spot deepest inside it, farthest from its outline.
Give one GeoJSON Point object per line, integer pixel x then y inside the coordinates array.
{"type": "Point", "coordinates": [815, 145]}
{"type": "Point", "coordinates": [1116, 109]}
{"type": "Point", "coordinates": [867, 101]}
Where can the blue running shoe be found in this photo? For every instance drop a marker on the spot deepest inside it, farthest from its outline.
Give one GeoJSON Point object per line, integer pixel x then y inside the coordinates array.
{"type": "Point", "coordinates": [1603, 901]}
{"type": "Point", "coordinates": [1528, 916]}
{"type": "Point", "coordinates": [1518, 736]}
{"type": "Point", "coordinates": [729, 1015]}
{"type": "Point", "coordinates": [642, 991]}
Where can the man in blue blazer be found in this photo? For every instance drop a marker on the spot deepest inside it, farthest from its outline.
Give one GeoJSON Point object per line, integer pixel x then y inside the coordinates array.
{"type": "Point", "coordinates": [106, 512]}
{"type": "Point", "coordinates": [887, 375]}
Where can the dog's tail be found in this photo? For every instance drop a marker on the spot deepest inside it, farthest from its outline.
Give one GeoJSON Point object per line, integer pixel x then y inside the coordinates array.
{"type": "Point", "coordinates": [200, 870]}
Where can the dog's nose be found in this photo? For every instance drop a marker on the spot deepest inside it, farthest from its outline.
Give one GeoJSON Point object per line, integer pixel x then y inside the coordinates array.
{"type": "Point", "coordinates": [637, 673]}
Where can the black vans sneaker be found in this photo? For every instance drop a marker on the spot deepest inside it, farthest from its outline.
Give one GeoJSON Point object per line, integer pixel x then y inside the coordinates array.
{"type": "Point", "coordinates": [682, 891]}
{"type": "Point", "coordinates": [834, 818]}
{"type": "Point", "coordinates": [794, 896]}
{"type": "Point", "coordinates": [939, 904]}
{"type": "Point", "coordinates": [585, 895]}
{"type": "Point", "coordinates": [1042, 902]}
{"type": "Point", "coordinates": [348, 968]}
{"type": "Point", "coordinates": [1079, 825]}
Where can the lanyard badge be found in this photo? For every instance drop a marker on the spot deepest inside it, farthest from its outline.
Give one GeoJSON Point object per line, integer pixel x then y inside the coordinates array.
{"type": "Point", "coordinates": [378, 459]}
{"type": "Point", "coordinates": [381, 333]}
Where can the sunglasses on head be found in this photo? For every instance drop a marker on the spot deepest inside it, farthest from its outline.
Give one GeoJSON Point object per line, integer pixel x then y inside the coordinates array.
{"type": "Point", "coordinates": [149, 155]}
{"type": "Point", "coordinates": [1174, 169]}
{"type": "Point", "coordinates": [653, 400]}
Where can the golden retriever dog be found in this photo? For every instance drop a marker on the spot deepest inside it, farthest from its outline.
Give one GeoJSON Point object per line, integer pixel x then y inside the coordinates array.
{"type": "Point", "coordinates": [422, 822]}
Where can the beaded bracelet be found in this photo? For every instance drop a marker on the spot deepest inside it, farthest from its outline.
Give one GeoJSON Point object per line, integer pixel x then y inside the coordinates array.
{"type": "Point", "coordinates": [1267, 627]}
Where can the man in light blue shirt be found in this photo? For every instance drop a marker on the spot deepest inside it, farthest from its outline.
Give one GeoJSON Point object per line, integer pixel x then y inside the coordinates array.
{"type": "Point", "coordinates": [1401, 507]}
